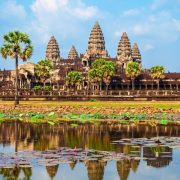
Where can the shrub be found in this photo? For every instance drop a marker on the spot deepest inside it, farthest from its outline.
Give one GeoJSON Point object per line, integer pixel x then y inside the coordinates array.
{"type": "Point", "coordinates": [47, 88]}
{"type": "Point", "coordinates": [93, 100]}
{"type": "Point", "coordinates": [37, 87]}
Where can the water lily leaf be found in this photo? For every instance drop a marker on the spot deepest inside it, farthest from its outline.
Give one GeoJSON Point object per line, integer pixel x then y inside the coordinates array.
{"type": "Point", "coordinates": [2, 115]}
{"type": "Point", "coordinates": [52, 114]}
{"type": "Point", "coordinates": [164, 122]}
{"type": "Point", "coordinates": [51, 122]}
{"type": "Point", "coordinates": [74, 125]}
{"type": "Point", "coordinates": [20, 115]}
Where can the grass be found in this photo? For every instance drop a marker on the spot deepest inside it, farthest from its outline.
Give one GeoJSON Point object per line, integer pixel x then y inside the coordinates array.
{"type": "Point", "coordinates": [102, 104]}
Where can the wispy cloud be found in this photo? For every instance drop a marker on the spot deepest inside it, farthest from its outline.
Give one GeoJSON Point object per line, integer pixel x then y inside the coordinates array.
{"type": "Point", "coordinates": [131, 12]}
{"type": "Point", "coordinates": [11, 9]}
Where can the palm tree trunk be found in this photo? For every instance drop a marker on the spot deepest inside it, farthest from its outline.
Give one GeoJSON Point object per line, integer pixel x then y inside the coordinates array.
{"type": "Point", "coordinates": [100, 86]}
{"type": "Point", "coordinates": [107, 89]}
{"type": "Point", "coordinates": [158, 84]}
{"type": "Point", "coordinates": [16, 84]}
{"type": "Point", "coordinates": [133, 84]}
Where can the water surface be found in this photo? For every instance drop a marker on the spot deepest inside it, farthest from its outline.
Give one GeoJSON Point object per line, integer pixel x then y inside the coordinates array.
{"type": "Point", "coordinates": [89, 152]}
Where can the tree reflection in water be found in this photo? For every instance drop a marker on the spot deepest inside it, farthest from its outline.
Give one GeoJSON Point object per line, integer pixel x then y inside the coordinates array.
{"type": "Point", "coordinates": [87, 136]}
{"type": "Point", "coordinates": [16, 173]}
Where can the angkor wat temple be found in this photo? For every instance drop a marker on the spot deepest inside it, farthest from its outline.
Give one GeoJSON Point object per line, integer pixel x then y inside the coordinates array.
{"type": "Point", "coordinates": [82, 62]}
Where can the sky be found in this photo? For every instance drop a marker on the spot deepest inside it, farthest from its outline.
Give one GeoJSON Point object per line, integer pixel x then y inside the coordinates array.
{"type": "Point", "coordinates": [153, 24]}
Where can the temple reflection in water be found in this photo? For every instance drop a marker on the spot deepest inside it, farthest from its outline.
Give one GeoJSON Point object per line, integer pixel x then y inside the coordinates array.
{"type": "Point", "coordinates": [24, 136]}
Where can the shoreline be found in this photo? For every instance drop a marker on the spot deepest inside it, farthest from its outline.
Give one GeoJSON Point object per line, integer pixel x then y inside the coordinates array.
{"type": "Point", "coordinates": [75, 113]}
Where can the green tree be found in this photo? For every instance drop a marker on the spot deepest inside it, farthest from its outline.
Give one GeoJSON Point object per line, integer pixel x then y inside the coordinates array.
{"type": "Point", "coordinates": [132, 71]}
{"type": "Point", "coordinates": [95, 76]}
{"type": "Point", "coordinates": [157, 73]}
{"type": "Point", "coordinates": [17, 45]}
{"type": "Point", "coordinates": [44, 70]}
{"type": "Point", "coordinates": [101, 71]}
{"type": "Point", "coordinates": [108, 70]}
{"type": "Point", "coordinates": [73, 79]}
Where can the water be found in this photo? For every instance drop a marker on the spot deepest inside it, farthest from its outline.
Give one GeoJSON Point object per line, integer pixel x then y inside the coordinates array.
{"type": "Point", "coordinates": [93, 152]}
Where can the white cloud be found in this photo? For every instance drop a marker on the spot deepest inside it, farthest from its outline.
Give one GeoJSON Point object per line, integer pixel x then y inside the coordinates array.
{"type": "Point", "coordinates": [141, 29]}
{"type": "Point", "coordinates": [10, 9]}
{"type": "Point", "coordinates": [157, 4]}
{"type": "Point", "coordinates": [75, 8]}
{"type": "Point", "coordinates": [131, 12]}
{"type": "Point", "coordinates": [62, 17]}
{"type": "Point", "coordinates": [147, 47]}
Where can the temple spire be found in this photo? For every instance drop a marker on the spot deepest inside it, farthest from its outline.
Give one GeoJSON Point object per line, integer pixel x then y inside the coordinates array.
{"type": "Point", "coordinates": [124, 50]}
{"type": "Point", "coordinates": [96, 44]}
{"type": "Point", "coordinates": [73, 53]}
{"type": "Point", "coordinates": [96, 39]}
{"type": "Point", "coordinates": [52, 51]}
{"type": "Point", "coordinates": [136, 56]}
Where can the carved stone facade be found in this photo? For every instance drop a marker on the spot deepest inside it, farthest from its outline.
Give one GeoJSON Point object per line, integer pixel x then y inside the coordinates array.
{"type": "Point", "coordinates": [96, 46]}
{"type": "Point", "coordinates": [73, 53]}
{"type": "Point", "coordinates": [136, 56]}
{"type": "Point", "coordinates": [124, 51]}
{"type": "Point", "coordinates": [52, 51]}
{"type": "Point", "coordinates": [96, 50]}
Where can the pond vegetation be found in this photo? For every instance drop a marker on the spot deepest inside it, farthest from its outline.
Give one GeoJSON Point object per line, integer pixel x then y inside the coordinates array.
{"type": "Point", "coordinates": [88, 149]}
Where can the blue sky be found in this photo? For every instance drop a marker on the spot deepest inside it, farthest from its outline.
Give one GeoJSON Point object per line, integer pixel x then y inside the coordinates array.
{"type": "Point", "coordinates": [153, 24]}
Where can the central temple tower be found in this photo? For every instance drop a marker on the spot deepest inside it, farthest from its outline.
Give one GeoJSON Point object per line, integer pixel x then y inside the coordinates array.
{"type": "Point", "coordinates": [96, 45]}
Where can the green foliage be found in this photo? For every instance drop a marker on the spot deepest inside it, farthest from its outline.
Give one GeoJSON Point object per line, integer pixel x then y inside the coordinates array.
{"type": "Point", "coordinates": [101, 70]}
{"type": "Point", "coordinates": [133, 70]}
{"type": "Point", "coordinates": [16, 45]}
{"type": "Point", "coordinates": [38, 87]}
{"type": "Point", "coordinates": [157, 72]}
{"type": "Point", "coordinates": [95, 75]}
{"type": "Point", "coordinates": [2, 115]}
{"type": "Point", "coordinates": [47, 88]}
{"type": "Point", "coordinates": [74, 78]}
{"type": "Point", "coordinates": [44, 69]}
{"type": "Point", "coordinates": [164, 121]}
{"type": "Point", "coordinates": [93, 100]}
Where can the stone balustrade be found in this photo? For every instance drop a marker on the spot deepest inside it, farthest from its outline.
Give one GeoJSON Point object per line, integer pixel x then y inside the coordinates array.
{"type": "Point", "coordinates": [110, 93]}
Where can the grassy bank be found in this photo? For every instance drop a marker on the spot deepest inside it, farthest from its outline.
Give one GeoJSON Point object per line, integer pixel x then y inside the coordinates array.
{"type": "Point", "coordinates": [101, 104]}
{"type": "Point", "coordinates": [93, 112]}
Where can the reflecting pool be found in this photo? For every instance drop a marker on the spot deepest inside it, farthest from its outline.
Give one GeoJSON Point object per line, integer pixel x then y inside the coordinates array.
{"type": "Point", "coordinates": [89, 152]}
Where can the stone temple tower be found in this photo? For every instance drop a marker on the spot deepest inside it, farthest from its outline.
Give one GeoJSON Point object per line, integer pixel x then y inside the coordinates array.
{"type": "Point", "coordinates": [124, 51]}
{"type": "Point", "coordinates": [52, 51]}
{"type": "Point", "coordinates": [136, 56]}
{"type": "Point", "coordinates": [73, 53]}
{"type": "Point", "coordinates": [96, 45]}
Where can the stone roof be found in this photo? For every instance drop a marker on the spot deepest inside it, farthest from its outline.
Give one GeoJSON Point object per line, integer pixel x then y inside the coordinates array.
{"type": "Point", "coordinates": [52, 51]}
{"type": "Point", "coordinates": [136, 56]}
{"type": "Point", "coordinates": [73, 53]}
{"type": "Point", "coordinates": [96, 39]}
{"type": "Point", "coordinates": [124, 47]}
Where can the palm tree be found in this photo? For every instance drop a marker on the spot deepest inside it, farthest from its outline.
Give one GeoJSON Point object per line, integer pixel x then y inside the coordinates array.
{"type": "Point", "coordinates": [44, 69]}
{"type": "Point", "coordinates": [108, 71]}
{"type": "Point", "coordinates": [73, 79]}
{"type": "Point", "coordinates": [132, 71]}
{"type": "Point", "coordinates": [17, 45]}
{"type": "Point", "coordinates": [157, 73]}
{"type": "Point", "coordinates": [95, 76]}
{"type": "Point", "coordinates": [102, 70]}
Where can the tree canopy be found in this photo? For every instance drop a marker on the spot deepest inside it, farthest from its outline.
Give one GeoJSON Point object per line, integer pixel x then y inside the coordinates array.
{"type": "Point", "coordinates": [132, 71]}
{"type": "Point", "coordinates": [16, 45]}
{"type": "Point", "coordinates": [101, 71]}
{"type": "Point", "coordinates": [157, 72]}
{"type": "Point", "coordinates": [74, 78]}
{"type": "Point", "coordinates": [44, 69]}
